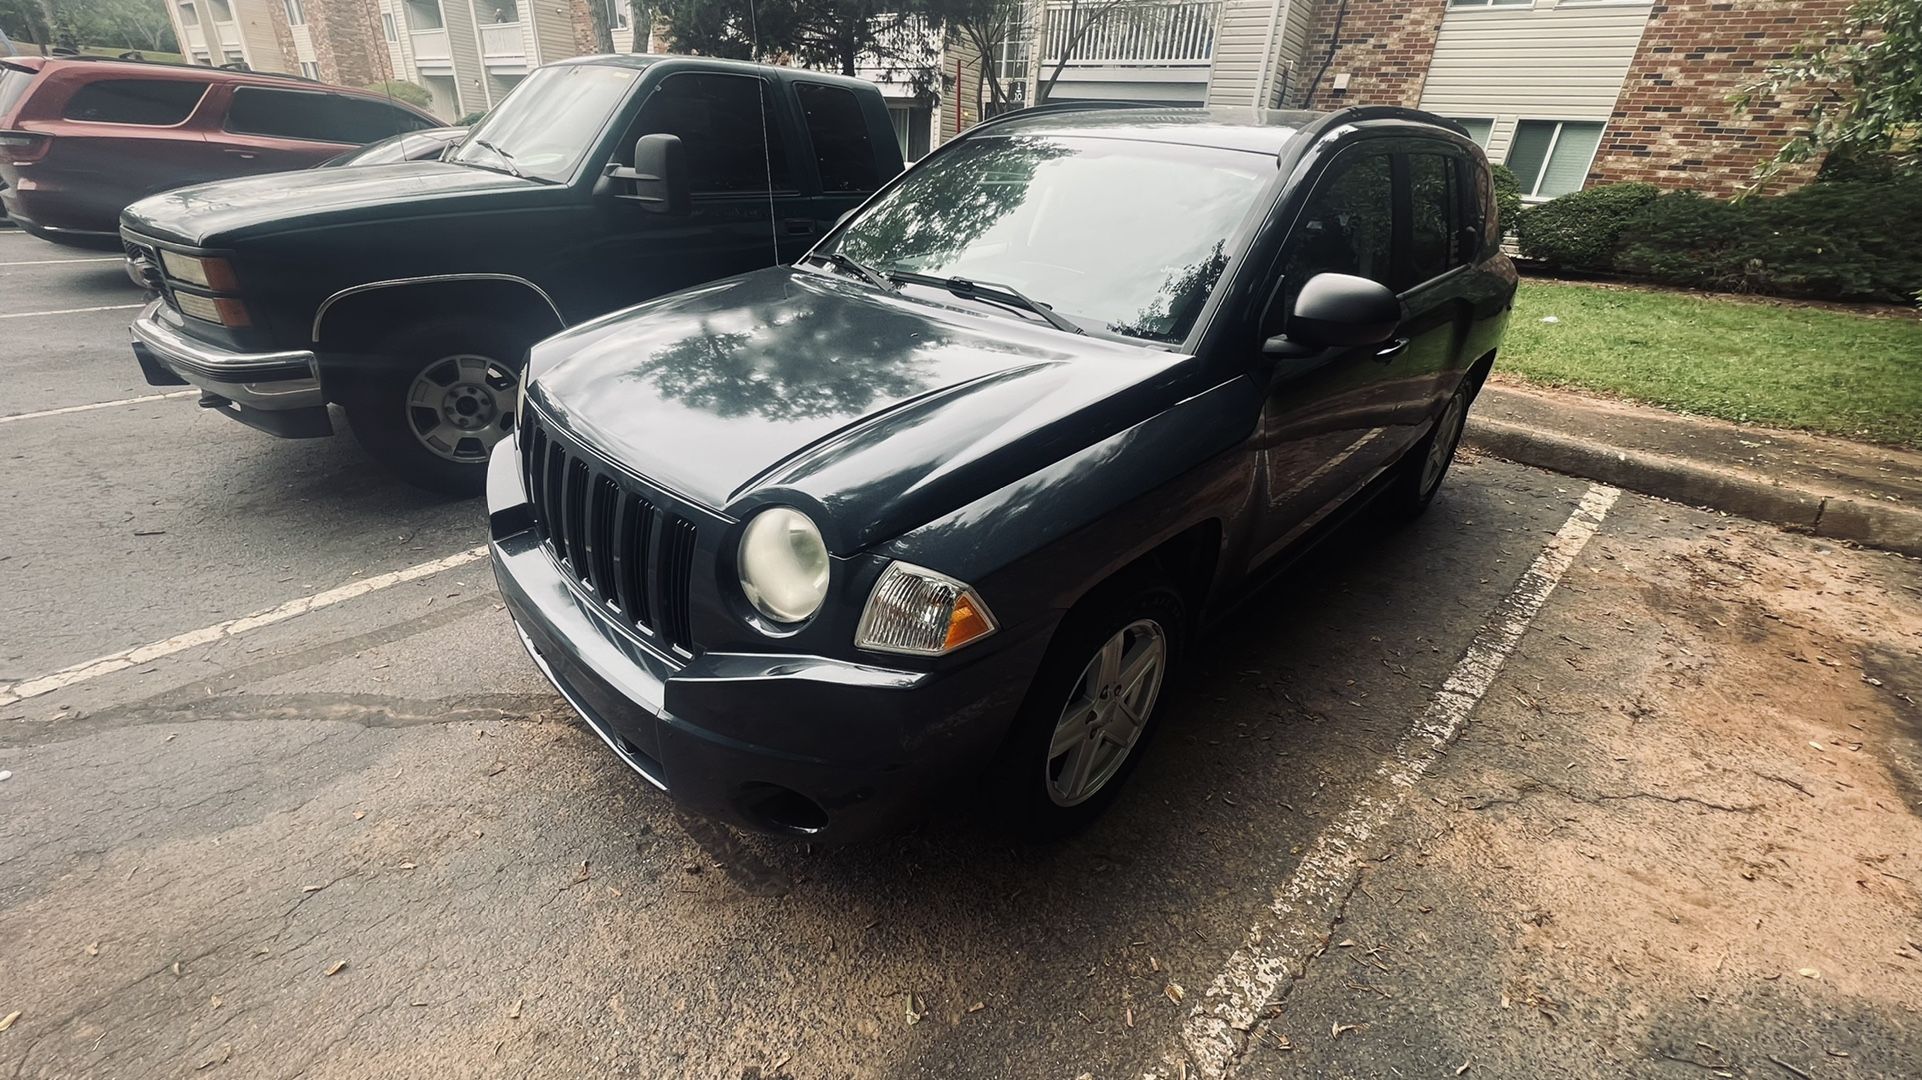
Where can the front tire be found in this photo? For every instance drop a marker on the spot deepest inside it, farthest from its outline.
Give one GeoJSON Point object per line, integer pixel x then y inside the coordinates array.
{"type": "Point", "coordinates": [445, 395]}
{"type": "Point", "coordinates": [1090, 711]}
{"type": "Point", "coordinates": [1419, 476]}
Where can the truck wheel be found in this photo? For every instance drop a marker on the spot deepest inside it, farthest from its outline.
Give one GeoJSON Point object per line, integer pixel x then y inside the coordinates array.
{"type": "Point", "coordinates": [444, 395]}
{"type": "Point", "coordinates": [1419, 475]}
{"type": "Point", "coordinates": [1090, 711]}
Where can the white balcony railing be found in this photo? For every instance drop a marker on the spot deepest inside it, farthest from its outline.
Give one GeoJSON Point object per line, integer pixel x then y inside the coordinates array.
{"type": "Point", "coordinates": [503, 42]}
{"type": "Point", "coordinates": [431, 45]}
{"type": "Point", "coordinates": [1179, 32]}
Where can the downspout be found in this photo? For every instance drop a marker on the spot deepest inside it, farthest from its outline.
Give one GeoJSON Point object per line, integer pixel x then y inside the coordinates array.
{"type": "Point", "coordinates": [1268, 54]}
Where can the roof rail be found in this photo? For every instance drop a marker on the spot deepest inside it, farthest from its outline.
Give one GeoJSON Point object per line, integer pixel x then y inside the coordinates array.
{"type": "Point", "coordinates": [1054, 107]}
{"type": "Point", "coordinates": [1327, 122]}
{"type": "Point", "coordinates": [235, 69]}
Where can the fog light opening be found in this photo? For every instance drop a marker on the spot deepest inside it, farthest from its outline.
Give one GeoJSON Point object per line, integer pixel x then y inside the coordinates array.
{"type": "Point", "coordinates": [783, 809]}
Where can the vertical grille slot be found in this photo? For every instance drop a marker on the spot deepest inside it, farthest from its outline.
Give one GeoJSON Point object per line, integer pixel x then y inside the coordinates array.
{"type": "Point", "coordinates": [574, 511]}
{"type": "Point", "coordinates": [677, 567]}
{"type": "Point", "coordinates": [636, 558]}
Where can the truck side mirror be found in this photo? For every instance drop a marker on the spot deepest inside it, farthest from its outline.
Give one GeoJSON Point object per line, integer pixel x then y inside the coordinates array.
{"type": "Point", "coordinates": [658, 180]}
{"type": "Point", "coordinates": [1335, 310]}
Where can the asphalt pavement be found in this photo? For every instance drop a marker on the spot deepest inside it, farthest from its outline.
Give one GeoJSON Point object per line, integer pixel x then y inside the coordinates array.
{"type": "Point", "coordinates": [358, 835]}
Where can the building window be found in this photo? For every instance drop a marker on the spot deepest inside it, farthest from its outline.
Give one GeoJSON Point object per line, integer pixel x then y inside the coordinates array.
{"type": "Point", "coordinates": [1551, 157]}
{"type": "Point", "coordinates": [310, 71]}
{"type": "Point", "coordinates": [295, 15]}
{"type": "Point", "coordinates": [189, 16]}
{"type": "Point", "coordinates": [1478, 128]}
{"type": "Point", "coordinates": [617, 14]}
{"type": "Point", "coordinates": [387, 26]}
{"type": "Point", "coordinates": [1491, 3]}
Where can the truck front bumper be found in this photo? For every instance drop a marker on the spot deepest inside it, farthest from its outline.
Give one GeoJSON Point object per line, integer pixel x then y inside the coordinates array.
{"type": "Point", "coordinates": [276, 392]}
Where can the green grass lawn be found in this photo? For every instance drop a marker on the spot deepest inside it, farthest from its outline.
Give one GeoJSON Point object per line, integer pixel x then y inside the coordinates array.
{"type": "Point", "coordinates": [1857, 376]}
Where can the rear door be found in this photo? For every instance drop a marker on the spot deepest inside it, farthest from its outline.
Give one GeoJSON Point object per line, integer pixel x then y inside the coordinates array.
{"type": "Point", "coordinates": [1433, 274]}
{"type": "Point", "coordinates": [842, 149]}
{"type": "Point", "coordinates": [273, 129]}
{"type": "Point", "coordinates": [118, 140]}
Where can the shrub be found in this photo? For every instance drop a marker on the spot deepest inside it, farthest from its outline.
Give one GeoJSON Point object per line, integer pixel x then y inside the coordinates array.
{"type": "Point", "coordinates": [470, 119]}
{"type": "Point", "coordinates": [1836, 241]}
{"type": "Point", "coordinates": [1579, 231]}
{"type": "Point", "coordinates": [400, 90]}
{"type": "Point", "coordinates": [1508, 196]}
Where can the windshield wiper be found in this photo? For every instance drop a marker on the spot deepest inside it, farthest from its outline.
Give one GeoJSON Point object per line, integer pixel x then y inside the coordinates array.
{"type": "Point", "coordinates": [507, 159]}
{"type": "Point", "coordinates": [990, 292]}
{"type": "Point", "coordinates": [852, 265]}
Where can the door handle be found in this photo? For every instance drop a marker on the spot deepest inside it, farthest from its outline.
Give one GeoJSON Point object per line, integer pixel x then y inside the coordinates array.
{"type": "Point", "coordinates": [797, 226]}
{"type": "Point", "coordinates": [244, 155]}
{"type": "Point", "coordinates": [1391, 350]}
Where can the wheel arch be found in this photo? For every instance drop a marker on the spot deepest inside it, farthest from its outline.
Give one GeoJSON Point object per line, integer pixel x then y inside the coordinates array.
{"type": "Point", "coordinates": [352, 319]}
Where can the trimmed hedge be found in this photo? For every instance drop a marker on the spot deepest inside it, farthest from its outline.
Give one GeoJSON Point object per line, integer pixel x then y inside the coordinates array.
{"type": "Point", "coordinates": [1833, 241]}
{"type": "Point", "coordinates": [1508, 196]}
{"type": "Point", "coordinates": [1579, 231]}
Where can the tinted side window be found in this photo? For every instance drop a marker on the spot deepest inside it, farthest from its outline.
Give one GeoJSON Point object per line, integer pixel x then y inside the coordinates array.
{"type": "Point", "coordinates": [154, 102]}
{"type": "Point", "coordinates": [1434, 218]}
{"type": "Point", "coordinates": [720, 119]}
{"type": "Point", "coordinates": [839, 131]}
{"type": "Point", "coordinates": [296, 114]}
{"type": "Point", "coordinates": [1348, 227]}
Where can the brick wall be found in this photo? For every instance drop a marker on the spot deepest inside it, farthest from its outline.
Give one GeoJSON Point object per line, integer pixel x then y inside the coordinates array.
{"type": "Point", "coordinates": [350, 49]}
{"type": "Point", "coordinates": [1673, 125]}
{"type": "Point", "coordinates": [283, 37]}
{"type": "Point", "coordinates": [587, 41]}
{"type": "Point", "coordinates": [1384, 46]}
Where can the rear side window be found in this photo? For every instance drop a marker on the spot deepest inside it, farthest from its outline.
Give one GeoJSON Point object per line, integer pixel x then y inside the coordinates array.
{"type": "Point", "coordinates": [839, 131]}
{"type": "Point", "coordinates": [153, 102]}
{"type": "Point", "coordinates": [720, 119]}
{"type": "Point", "coordinates": [1434, 218]}
{"type": "Point", "coordinates": [315, 117]}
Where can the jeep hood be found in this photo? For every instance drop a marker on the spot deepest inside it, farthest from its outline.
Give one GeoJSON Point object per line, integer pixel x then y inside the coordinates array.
{"type": "Point", "coordinates": [873, 411]}
{"type": "Point", "coordinates": [212, 214]}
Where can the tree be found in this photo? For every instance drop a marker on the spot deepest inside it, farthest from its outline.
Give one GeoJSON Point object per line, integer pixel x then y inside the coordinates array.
{"type": "Point", "coordinates": [26, 21]}
{"type": "Point", "coordinates": [1865, 76]}
{"type": "Point", "coordinates": [832, 35]}
{"type": "Point", "coordinates": [989, 26]}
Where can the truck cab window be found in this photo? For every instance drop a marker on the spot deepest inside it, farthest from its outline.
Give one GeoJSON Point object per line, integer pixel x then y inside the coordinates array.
{"type": "Point", "coordinates": [720, 119]}
{"type": "Point", "coordinates": [839, 132]}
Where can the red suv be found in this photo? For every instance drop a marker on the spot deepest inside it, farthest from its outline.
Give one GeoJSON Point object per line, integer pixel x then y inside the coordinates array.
{"type": "Point", "coordinates": [81, 138]}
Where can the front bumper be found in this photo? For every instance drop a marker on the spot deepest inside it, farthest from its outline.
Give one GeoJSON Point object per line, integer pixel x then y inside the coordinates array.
{"type": "Point", "coordinates": [779, 743]}
{"type": "Point", "coordinates": [277, 392]}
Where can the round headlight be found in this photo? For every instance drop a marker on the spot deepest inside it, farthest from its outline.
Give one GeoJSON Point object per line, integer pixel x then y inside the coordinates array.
{"type": "Point", "coordinates": [784, 565]}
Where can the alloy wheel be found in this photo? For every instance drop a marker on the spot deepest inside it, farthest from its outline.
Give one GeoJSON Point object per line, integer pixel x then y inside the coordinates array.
{"type": "Point", "coordinates": [460, 406]}
{"type": "Point", "coordinates": [1441, 448]}
{"type": "Point", "coordinates": [1106, 712]}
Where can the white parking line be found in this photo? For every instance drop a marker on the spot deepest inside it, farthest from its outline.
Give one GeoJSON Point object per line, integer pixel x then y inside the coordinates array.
{"type": "Point", "coordinates": [120, 661]}
{"type": "Point", "coordinates": [50, 262]}
{"type": "Point", "coordinates": [70, 311]}
{"type": "Point", "coordinates": [1295, 927]}
{"type": "Point", "coordinates": [96, 405]}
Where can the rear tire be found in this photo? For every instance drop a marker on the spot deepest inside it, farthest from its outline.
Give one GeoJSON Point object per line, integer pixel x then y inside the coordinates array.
{"type": "Point", "coordinates": [443, 396]}
{"type": "Point", "coordinates": [1091, 710]}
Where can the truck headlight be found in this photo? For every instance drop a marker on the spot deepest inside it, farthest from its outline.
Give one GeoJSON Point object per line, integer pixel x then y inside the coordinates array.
{"type": "Point", "coordinates": [783, 564]}
{"type": "Point", "coordinates": [206, 271]}
{"type": "Point", "coordinates": [916, 611]}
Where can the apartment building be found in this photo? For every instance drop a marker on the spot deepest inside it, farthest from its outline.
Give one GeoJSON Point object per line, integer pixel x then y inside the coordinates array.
{"type": "Point", "coordinates": [1565, 92]}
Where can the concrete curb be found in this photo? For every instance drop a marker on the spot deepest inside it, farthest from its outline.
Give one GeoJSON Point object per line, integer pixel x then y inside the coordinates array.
{"type": "Point", "coordinates": [1889, 526]}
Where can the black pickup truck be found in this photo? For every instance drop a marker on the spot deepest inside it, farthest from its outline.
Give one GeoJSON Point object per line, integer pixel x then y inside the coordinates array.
{"type": "Point", "coordinates": [409, 293]}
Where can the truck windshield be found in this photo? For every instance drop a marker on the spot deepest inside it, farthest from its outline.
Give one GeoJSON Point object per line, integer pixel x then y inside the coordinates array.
{"type": "Point", "coordinates": [1125, 236]}
{"type": "Point", "coordinates": [549, 123]}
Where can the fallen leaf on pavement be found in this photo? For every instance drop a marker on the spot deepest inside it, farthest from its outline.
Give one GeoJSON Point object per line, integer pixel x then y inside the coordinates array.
{"type": "Point", "coordinates": [93, 949]}
{"type": "Point", "coordinates": [977, 1006]}
{"type": "Point", "coordinates": [1174, 991]}
{"type": "Point", "coordinates": [7, 1020]}
{"type": "Point", "coordinates": [1339, 1028]}
{"type": "Point", "coordinates": [1809, 973]}
{"type": "Point", "coordinates": [515, 1012]}
{"type": "Point", "coordinates": [336, 967]}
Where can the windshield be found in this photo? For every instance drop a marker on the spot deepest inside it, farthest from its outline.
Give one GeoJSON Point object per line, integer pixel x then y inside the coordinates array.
{"type": "Point", "coordinates": [1125, 236]}
{"type": "Point", "coordinates": [550, 121]}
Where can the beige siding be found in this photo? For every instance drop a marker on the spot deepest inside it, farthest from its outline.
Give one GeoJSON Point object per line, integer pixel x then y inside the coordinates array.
{"type": "Point", "coordinates": [258, 40]}
{"type": "Point", "coordinates": [463, 44]}
{"type": "Point", "coordinates": [1555, 61]}
{"type": "Point", "coordinates": [553, 30]}
{"type": "Point", "coordinates": [1240, 38]}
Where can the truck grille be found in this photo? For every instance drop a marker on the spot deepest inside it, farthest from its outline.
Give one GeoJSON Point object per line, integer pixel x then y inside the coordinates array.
{"type": "Point", "coordinates": [630, 554]}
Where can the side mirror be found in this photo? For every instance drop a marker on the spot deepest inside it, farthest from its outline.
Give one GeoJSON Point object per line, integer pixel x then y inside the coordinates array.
{"type": "Point", "coordinates": [1339, 310]}
{"type": "Point", "coordinates": [658, 180]}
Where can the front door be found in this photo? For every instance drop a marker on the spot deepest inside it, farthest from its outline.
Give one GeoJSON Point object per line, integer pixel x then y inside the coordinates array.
{"type": "Point", "coordinates": [742, 184]}
{"type": "Point", "coordinates": [1333, 417]}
